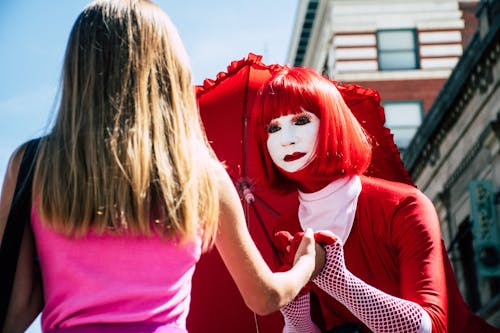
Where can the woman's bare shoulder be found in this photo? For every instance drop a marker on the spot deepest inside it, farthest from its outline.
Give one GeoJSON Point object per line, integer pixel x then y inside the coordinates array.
{"type": "Point", "coordinates": [9, 183]}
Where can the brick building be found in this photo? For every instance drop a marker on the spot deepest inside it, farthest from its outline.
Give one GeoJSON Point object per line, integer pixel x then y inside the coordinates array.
{"type": "Point", "coordinates": [404, 49]}
{"type": "Point", "coordinates": [454, 159]}
{"type": "Point", "coordinates": [442, 55]}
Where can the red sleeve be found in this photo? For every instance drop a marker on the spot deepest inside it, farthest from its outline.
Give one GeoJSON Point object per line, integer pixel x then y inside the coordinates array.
{"type": "Point", "coordinates": [416, 233]}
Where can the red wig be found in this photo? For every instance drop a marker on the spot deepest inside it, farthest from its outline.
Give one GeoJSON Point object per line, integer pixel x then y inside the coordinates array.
{"type": "Point", "coordinates": [342, 148]}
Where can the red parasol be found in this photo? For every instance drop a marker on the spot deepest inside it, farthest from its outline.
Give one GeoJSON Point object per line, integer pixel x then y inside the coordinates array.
{"type": "Point", "coordinates": [225, 106]}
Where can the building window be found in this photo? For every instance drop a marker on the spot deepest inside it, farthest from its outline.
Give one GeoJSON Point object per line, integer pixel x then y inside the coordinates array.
{"type": "Point", "coordinates": [397, 49]}
{"type": "Point", "coordinates": [466, 257]}
{"type": "Point", "coordinates": [403, 119]}
{"type": "Point", "coordinates": [479, 291]}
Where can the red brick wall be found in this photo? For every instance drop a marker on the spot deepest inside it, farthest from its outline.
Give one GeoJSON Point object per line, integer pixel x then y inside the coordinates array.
{"type": "Point", "coordinates": [470, 21]}
{"type": "Point", "coordinates": [425, 90]}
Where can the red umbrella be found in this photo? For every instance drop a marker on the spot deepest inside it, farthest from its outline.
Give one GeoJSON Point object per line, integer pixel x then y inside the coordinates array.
{"type": "Point", "coordinates": [365, 105]}
{"type": "Point", "coordinates": [225, 106]}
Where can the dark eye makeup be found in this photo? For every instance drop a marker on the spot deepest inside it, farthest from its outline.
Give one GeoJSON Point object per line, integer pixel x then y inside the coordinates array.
{"type": "Point", "coordinates": [302, 119]}
{"type": "Point", "coordinates": [298, 120]}
{"type": "Point", "coordinates": [271, 128]}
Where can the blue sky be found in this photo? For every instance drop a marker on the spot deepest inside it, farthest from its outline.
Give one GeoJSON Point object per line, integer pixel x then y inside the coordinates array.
{"type": "Point", "coordinates": [33, 37]}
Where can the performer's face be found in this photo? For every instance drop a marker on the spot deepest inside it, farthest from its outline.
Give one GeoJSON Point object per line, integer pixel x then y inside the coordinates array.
{"type": "Point", "coordinates": [292, 140]}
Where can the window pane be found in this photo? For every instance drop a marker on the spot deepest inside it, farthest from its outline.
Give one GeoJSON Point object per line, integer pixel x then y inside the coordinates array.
{"type": "Point", "coordinates": [397, 49]}
{"type": "Point", "coordinates": [403, 119]}
{"type": "Point", "coordinates": [402, 137]}
{"type": "Point", "coordinates": [403, 114]}
{"type": "Point", "coordinates": [396, 40]}
{"type": "Point", "coordinates": [398, 60]}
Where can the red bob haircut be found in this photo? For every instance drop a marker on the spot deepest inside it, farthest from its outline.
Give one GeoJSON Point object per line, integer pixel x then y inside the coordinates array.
{"type": "Point", "coordinates": [343, 147]}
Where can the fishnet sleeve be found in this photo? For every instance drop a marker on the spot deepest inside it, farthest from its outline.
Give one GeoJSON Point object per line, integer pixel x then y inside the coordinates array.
{"type": "Point", "coordinates": [381, 312]}
{"type": "Point", "coordinates": [297, 316]}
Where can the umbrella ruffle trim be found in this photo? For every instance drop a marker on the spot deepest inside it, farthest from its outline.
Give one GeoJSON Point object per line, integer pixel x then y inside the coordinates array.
{"type": "Point", "coordinates": [352, 93]}
{"type": "Point", "coordinates": [253, 60]}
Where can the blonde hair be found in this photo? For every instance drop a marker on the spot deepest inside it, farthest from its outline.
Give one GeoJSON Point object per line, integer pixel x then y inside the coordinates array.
{"type": "Point", "coordinates": [127, 151]}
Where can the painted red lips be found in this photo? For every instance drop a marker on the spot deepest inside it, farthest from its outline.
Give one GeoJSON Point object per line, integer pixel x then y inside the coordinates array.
{"type": "Point", "coordinates": [293, 157]}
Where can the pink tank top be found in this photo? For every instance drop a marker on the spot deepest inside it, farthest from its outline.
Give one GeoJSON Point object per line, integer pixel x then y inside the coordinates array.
{"type": "Point", "coordinates": [125, 280]}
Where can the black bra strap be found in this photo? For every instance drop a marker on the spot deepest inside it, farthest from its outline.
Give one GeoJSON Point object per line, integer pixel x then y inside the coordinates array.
{"type": "Point", "coordinates": [19, 216]}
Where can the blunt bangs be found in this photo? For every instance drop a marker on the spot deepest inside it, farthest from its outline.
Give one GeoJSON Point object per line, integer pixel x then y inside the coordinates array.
{"type": "Point", "coordinates": [281, 97]}
{"type": "Point", "coordinates": [343, 147]}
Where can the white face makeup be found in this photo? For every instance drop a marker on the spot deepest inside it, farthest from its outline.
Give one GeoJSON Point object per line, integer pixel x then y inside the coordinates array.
{"type": "Point", "coordinates": [292, 140]}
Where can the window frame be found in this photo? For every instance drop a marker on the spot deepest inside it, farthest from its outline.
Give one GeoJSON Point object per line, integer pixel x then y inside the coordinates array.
{"type": "Point", "coordinates": [392, 128]}
{"type": "Point", "coordinates": [415, 49]}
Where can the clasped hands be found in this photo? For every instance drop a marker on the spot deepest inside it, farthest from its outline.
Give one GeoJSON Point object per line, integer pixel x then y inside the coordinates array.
{"type": "Point", "coordinates": [297, 314]}
{"type": "Point", "coordinates": [287, 246]}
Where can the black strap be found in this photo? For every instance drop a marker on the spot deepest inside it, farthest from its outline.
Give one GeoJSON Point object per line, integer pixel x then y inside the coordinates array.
{"type": "Point", "coordinates": [19, 217]}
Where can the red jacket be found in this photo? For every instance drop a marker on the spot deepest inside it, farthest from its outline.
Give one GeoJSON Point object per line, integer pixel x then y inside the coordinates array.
{"type": "Point", "coordinates": [395, 245]}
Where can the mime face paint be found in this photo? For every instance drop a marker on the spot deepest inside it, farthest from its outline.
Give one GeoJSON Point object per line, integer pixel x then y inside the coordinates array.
{"type": "Point", "coordinates": [292, 138]}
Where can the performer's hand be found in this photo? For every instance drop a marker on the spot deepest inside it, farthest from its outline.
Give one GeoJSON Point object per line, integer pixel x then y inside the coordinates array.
{"type": "Point", "coordinates": [287, 246]}
{"type": "Point", "coordinates": [290, 248]}
{"type": "Point", "coordinates": [282, 241]}
{"type": "Point", "coordinates": [324, 237]}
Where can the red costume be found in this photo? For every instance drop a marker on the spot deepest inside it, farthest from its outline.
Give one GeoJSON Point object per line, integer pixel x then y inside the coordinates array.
{"type": "Point", "coordinates": [388, 271]}
{"type": "Point", "coordinates": [395, 243]}
{"type": "Point", "coordinates": [383, 251]}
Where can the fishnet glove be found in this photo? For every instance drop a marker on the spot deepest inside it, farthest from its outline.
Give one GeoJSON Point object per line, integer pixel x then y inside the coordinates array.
{"type": "Point", "coordinates": [382, 313]}
{"type": "Point", "coordinates": [297, 316]}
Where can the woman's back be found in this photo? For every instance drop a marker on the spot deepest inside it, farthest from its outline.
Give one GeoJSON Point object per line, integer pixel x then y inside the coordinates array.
{"type": "Point", "coordinates": [119, 197]}
{"type": "Point", "coordinates": [127, 155]}
{"type": "Point", "coordinates": [114, 279]}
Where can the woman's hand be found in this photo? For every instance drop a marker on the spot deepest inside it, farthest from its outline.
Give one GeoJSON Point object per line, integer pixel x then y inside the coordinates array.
{"type": "Point", "coordinates": [306, 251]}
{"type": "Point", "coordinates": [320, 260]}
{"type": "Point", "coordinates": [306, 246]}
{"type": "Point", "coordinates": [288, 247]}
{"type": "Point", "coordinates": [262, 290]}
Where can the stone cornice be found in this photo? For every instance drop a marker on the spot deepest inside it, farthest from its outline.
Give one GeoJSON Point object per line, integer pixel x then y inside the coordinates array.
{"type": "Point", "coordinates": [473, 74]}
{"type": "Point", "coordinates": [471, 154]}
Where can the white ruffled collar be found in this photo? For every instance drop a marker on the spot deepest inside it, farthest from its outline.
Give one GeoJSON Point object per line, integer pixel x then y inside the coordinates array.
{"type": "Point", "coordinates": [332, 208]}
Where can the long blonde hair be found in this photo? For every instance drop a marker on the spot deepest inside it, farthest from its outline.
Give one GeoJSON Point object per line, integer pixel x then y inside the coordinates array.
{"type": "Point", "coordinates": [127, 151]}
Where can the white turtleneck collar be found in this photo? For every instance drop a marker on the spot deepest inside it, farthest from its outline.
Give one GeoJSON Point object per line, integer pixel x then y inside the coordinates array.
{"type": "Point", "coordinates": [332, 208]}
